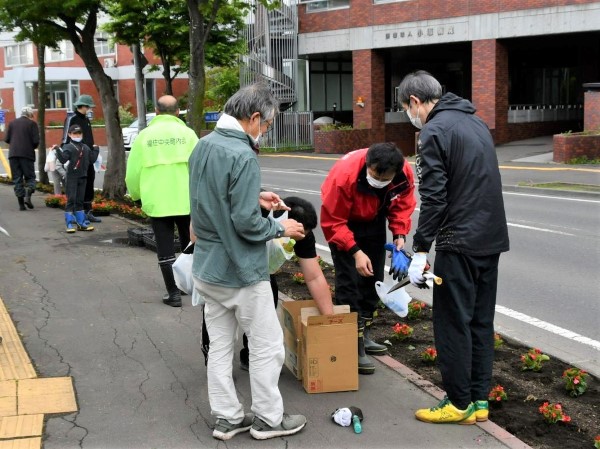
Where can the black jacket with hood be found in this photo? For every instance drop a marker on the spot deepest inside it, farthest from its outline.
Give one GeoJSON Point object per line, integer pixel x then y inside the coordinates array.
{"type": "Point", "coordinates": [459, 183]}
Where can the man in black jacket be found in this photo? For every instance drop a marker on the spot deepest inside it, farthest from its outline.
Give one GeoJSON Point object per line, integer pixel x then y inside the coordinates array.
{"type": "Point", "coordinates": [84, 104]}
{"type": "Point", "coordinates": [463, 210]}
{"type": "Point", "coordinates": [23, 138]}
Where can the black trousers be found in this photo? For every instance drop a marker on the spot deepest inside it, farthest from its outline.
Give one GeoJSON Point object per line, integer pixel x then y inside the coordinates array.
{"type": "Point", "coordinates": [350, 287]}
{"type": "Point", "coordinates": [75, 189]}
{"type": "Point", "coordinates": [463, 324]}
{"type": "Point", "coordinates": [88, 197]}
{"type": "Point", "coordinates": [164, 234]}
{"type": "Point", "coordinates": [23, 174]}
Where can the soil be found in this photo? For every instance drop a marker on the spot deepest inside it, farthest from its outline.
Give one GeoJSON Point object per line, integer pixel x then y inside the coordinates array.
{"type": "Point", "coordinates": [526, 390]}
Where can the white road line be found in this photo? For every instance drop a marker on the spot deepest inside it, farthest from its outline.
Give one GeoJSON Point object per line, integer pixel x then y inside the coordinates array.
{"type": "Point", "coordinates": [557, 330]}
{"type": "Point", "coordinates": [564, 198]}
{"type": "Point", "coordinates": [548, 327]}
{"type": "Point", "coordinates": [552, 231]}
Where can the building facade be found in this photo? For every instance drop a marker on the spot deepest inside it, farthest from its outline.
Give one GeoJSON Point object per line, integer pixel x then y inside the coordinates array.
{"type": "Point", "coordinates": [67, 77]}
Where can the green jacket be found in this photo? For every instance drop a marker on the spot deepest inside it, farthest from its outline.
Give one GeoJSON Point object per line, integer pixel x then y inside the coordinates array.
{"type": "Point", "coordinates": [157, 168]}
{"type": "Point", "coordinates": [231, 232]}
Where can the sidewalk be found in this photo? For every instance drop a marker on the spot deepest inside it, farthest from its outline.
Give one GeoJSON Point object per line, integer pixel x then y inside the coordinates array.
{"type": "Point", "coordinates": [88, 306]}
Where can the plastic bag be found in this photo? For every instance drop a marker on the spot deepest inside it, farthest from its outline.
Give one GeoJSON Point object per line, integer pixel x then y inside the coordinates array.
{"type": "Point", "coordinates": [279, 250]}
{"type": "Point", "coordinates": [397, 301]}
{"type": "Point", "coordinates": [182, 271]}
{"type": "Point", "coordinates": [98, 163]}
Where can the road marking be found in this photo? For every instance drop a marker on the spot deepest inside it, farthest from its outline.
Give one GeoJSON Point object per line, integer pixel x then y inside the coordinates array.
{"type": "Point", "coordinates": [548, 327]}
{"type": "Point", "coordinates": [552, 328]}
{"type": "Point", "coordinates": [552, 231]}
{"type": "Point", "coordinates": [580, 200]}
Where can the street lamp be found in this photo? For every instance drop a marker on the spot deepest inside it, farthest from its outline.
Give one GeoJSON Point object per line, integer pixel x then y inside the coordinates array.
{"type": "Point", "coordinates": [334, 108]}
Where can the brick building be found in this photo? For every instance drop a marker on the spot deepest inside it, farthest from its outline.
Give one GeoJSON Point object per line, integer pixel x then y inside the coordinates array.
{"type": "Point", "coordinates": [523, 64]}
{"type": "Point", "coordinates": [67, 78]}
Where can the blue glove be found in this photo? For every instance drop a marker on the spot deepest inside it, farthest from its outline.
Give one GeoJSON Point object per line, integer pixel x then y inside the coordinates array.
{"type": "Point", "coordinates": [400, 262]}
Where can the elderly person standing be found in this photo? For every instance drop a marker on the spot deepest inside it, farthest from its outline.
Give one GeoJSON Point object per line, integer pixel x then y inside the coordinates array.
{"type": "Point", "coordinates": [23, 138]}
{"type": "Point", "coordinates": [158, 174]}
{"type": "Point", "coordinates": [230, 266]}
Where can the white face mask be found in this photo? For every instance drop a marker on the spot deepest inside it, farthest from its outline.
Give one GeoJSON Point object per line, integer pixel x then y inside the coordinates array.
{"type": "Point", "coordinates": [416, 121]}
{"type": "Point", "coordinates": [76, 139]}
{"type": "Point", "coordinates": [257, 138]}
{"type": "Point", "coordinates": [375, 183]}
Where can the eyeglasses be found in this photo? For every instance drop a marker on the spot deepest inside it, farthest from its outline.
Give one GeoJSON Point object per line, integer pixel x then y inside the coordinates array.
{"type": "Point", "coordinates": [269, 126]}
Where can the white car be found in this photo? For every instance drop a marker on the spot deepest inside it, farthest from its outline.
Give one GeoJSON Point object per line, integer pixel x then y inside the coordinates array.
{"type": "Point", "coordinates": [131, 131]}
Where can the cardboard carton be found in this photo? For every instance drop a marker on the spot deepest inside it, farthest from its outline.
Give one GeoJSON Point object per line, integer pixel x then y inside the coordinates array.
{"type": "Point", "coordinates": [292, 333]}
{"type": "Point", "coordinates": [329, 351]}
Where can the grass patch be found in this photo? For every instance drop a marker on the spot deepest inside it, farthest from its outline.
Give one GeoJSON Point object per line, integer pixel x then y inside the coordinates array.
{"type": "Point", "coordinates": [564, 186]}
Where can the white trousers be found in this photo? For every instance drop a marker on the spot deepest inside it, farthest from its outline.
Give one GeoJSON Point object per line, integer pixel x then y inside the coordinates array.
{"type": "Point", "coordinates": [250, 308]}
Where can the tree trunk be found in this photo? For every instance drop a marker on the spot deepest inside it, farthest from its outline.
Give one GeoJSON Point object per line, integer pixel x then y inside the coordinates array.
{"type": "Point", "coordinates": [41, 118]}
{"type": "Point", "coordinates": [114, 178]}
{"type": "Point", "coordinates": [140, 98]}
{"type": "Point", "coordinates": [195, 115]}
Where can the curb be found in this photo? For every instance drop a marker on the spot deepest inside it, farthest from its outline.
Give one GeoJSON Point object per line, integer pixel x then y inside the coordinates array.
{"type": "Point", "coordinates": [488, 426]}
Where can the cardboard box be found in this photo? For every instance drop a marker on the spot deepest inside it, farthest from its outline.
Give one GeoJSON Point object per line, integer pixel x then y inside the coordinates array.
{"type": "Point", "coordinates": [329, 351]}
{"type": "Point", "coordinates": [292, 333]}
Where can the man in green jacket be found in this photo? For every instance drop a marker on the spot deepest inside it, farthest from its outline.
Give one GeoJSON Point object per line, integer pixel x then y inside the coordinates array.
{"type": "Point", "coordinates": [230, 266]}
{"type": "Point", "coordinates": [158, 174]}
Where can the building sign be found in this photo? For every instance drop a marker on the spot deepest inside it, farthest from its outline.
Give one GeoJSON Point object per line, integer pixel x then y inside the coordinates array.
{"type": "Point", "coordinates": [431, 33]}
{"type": "Point", "coordinates": [211, 116]}
{"type": "Point", "coordinates": [421, 32]}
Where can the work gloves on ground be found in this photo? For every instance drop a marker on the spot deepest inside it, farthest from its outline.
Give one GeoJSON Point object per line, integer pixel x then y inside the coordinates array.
{"type": "Point", "coordinates": [415, 270]}
{"type": "Point", "coordinates": [400, 262]}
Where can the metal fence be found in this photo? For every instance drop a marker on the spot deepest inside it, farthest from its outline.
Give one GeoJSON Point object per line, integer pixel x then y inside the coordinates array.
{"type": "Point", "coordinates": [290, 130]}
{"type": "Point", "coordinates": [526, 113]}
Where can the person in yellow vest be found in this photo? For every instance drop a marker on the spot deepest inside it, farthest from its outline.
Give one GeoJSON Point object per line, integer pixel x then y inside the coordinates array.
{"type": "Point", "coordinates": [158, 175]}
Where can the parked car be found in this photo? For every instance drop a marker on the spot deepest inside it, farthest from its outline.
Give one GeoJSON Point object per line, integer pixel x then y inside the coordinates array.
{"type": "Point", "coordinates": [131, 131]}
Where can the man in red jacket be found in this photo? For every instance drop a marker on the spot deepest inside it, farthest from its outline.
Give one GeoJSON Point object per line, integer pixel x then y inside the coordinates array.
{"type": "Point", "coordinates": [361, 191]}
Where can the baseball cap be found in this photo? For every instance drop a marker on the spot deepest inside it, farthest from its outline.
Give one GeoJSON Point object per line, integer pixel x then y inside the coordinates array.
{"type": "Point", "coordinates": [74, 129]}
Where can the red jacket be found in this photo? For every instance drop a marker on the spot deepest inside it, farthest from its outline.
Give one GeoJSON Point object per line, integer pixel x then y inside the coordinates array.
{"type": "Point", "coordinates": [347, 196]}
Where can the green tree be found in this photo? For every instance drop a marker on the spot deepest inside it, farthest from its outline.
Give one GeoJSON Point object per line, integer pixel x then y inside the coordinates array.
{"type": "Point", "coordinates": [76, 21]}
{"type": "Point", "coordinates": [221, 83]}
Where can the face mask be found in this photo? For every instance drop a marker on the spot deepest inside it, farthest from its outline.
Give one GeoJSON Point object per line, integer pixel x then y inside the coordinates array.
{"type": "Point", "coordinates": [375, 183]}
{"type": "Point", "coordinates": [257, 138]}
{"type": "Point", "coordinates": [76, 139]}
{"type": "Point", "coordinates": [416, 121]}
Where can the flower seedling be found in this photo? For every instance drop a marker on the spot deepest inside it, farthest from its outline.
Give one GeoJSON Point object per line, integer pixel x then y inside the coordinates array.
{"type": "Point", "coordinates": [298, 278]}
{"type": "Point", "coordinates": [322, 263]}
{"type": "Point", "coordinates": [553, 413]}
{"type": "Point", "coordinates": [533, 360]}
{"type": "Point", "coordinates": [402, 331]}
{"type": "Point", "coordinates": [497, 394]}
{"type": "Point", "coordinates": [575, 381]}
{"type": "Point", "coordinates": [415, 310]}
{"type": "Point", "coordinates": [597, 442]}
{"type": "Point", "coordinates": [498, 342]}
{"type": "Point", "coordinates": [429, 355]}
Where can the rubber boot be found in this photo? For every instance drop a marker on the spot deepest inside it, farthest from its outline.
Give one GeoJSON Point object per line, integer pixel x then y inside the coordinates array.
{"type": "Point", "coordinates": [70, 221]}
{"type": "Point", "coordinates": [174, 297]}
{"type": "Point", "coordinates": [365, 366]}
{"type": "Point", "coordinates": [371, 347]}
{"type": "Point", "coordinates": [21, 203]}
{"type": "Point", "coordinates": [27, 200]}
{"type": "Point", "coordinates": [82, 223]}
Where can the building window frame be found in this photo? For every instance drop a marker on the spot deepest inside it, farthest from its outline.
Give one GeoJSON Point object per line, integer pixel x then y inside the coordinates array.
{"type": "Point", "coordinates": [65, 52]}
{"type": "Point", "coordinates": [59, 94]}
{"type": "Point", "coordinates": [20, 53]}
{"type": "Point", "coordinates": [103, 44]}
{"type": "Point", "coordinates": [325, 5]}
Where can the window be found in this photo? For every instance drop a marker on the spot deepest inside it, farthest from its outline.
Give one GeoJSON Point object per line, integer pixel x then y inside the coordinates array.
{"type": "Point", "coordinates": [18, 54]}
{"type": "Point", "coordinates": [323, 5]}
{"type": "Point", "coordinates": [103, 44]}
{"type": "Point", "coordinates": [59, 94]}
{"type": "Point", "coordinates": [331, 82]}
{"type": "Point", "coordinates": [63, 53]}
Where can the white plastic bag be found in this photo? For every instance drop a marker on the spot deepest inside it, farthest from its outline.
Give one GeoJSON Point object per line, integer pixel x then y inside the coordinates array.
{"type": "Point", "coordinates": [397, 301]}
{"type": "Point", "coordinates": [98, 163]}
{"type": "Point", "coordinates": [279, 250]}
{"type": "Point", "coordinates": [182, 271]}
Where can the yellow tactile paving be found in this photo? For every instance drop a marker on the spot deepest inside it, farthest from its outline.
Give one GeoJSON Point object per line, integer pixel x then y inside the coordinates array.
{"type": "Point", "coordinates": [8, 398]}
{"type": "Point", "coordinates": [21, 426]}
{"type": "Point", "coordinates": [22, 443]}
{"type": "Point", "coordinates": [24, 398]}
{"type": "Point", "coordinates": [52, 395]}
